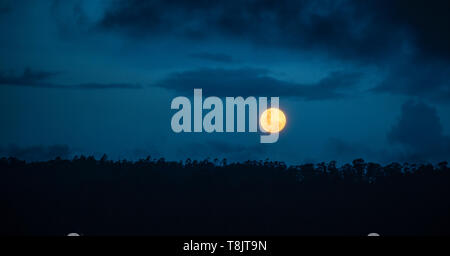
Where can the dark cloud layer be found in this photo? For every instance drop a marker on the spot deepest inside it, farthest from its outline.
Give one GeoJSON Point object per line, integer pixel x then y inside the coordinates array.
{"type": "Point", "coordinates": [27, 78]}
{"type": "Point", "coordinates": [39, 79]}
{"type": "Point", "coordinates": [257, 82]}
{"type": "Point", "coordinates": [215, 57]}
{"type": "Point", "coordinates": [350, 29]}
{"type": "Point", "coordinates": [5, 7]}
{"type": "Point", "coordinates": [417, 136]}
{"type": "Point", "coordinates": [420, 132]}
{"type": "Point", "coordinates": [419, 79]}
{"type": "Point", "coordinates": [368, 32]}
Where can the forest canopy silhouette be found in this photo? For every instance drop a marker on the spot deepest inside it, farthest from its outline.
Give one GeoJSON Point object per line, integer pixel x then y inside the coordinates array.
{"type": "Point", "coordinates": [213, 197]}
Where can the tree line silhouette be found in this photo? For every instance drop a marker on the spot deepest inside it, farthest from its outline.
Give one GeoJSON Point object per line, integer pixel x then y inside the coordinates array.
{"type": "Point", "coordinates": [214, 197]}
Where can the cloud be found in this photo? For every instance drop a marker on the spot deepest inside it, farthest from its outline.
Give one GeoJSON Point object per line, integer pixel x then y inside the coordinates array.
{"type": "Point", "coordinates": [420, 79]}
{"type": "Point", "coordinates": [427, 21]}
{"type": "Point", "coordinates": [215, 57]}
{"type": "Point", "coordinates": [93, 86]}
{"type": "Point", "coordinates": [257, 82]}
{"type": "Point", "coordinates": [5, 7]}
{"type": "Point", "coordinates": [36, 153]}
{"type": "Point", "coordinates": [420, 132]}
{"type": "Point", "coordinates": [367, 32]}
{"type": "Point", "coordinates": [28, 78]}
{"type": "Point", "coordinates": [417, 136]}
{"type": "Point", "coordinates": [38, 79]}
{"type": "Point", "coordinates": [349, 29]}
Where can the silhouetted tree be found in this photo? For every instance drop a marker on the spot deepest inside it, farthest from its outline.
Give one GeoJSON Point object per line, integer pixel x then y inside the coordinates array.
{"type": "Point", "coordinates": [159, 197]}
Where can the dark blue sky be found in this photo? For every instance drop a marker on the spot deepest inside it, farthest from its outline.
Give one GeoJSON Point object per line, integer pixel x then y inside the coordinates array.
{"type": "Point", "coordinates": [356, 78]}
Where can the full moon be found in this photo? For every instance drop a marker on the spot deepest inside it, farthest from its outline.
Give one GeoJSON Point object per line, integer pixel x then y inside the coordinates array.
{"type": "Point", "coordinates": [272, 120]}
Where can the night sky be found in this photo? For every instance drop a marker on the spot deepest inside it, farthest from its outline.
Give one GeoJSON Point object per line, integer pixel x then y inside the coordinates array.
{"type": "Point", "coordinates": [356, 79]}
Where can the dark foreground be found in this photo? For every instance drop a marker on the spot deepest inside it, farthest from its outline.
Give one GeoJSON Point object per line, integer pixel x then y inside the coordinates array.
{"type": "Point", "coordinates": [154, 197]}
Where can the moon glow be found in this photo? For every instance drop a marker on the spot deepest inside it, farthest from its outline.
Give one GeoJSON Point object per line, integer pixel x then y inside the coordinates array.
{"type": "Point", "coordinates": [272, 120]}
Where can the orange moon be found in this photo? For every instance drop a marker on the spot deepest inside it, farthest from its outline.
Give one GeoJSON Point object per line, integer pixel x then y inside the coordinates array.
{"type": "Point", "coordinates": [272, 120]}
